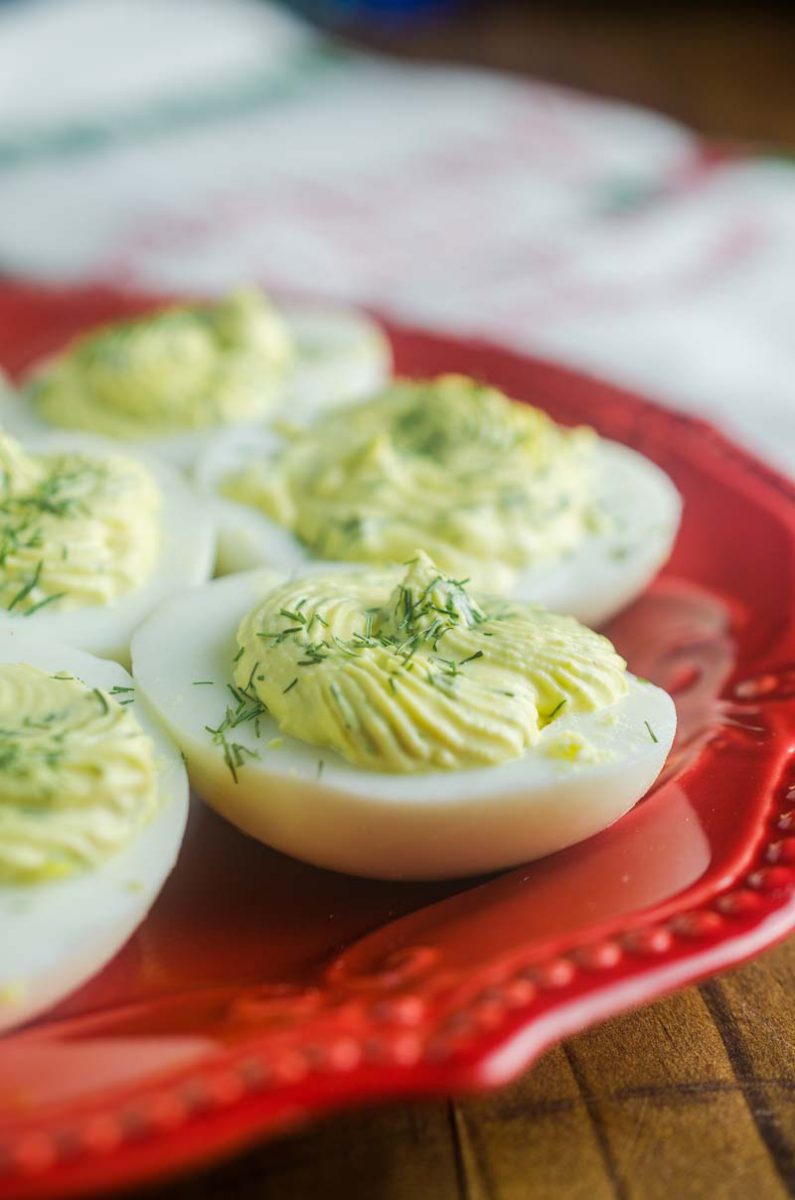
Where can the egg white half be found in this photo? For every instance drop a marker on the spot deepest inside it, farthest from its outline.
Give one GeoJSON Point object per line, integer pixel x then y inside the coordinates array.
{"type": "Point", "coordinates": [187, 553]}
{"type": "Point", "coordinates": [56, 935]}
{"type": "Point", "coordinates": [341, 357]}
{"type": "Point", "coordinates": [430, 826]}
{"type": "Point", "coordinates": [607, 570]}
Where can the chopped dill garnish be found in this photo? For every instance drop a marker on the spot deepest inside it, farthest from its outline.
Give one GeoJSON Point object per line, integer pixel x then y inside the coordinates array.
{"type": "Point", "coordinates": [247, 709]}
{"type": "Point", "coordinates": [652, 734]}
{"type": "Point", "coordinates": [472, 657]}
{"type": "Point", "coordinates": [103, 702]}
{"type": "Point", "coordinates": [298, 617]}
{"type": "Point", "coordinates": [290, 686]}
{"type": "Point", "coordinates": [408, 605]}
{"type": "Point", "coordinates": [203, 682]}
{"type": "Point", "coordinates": [28, 587]}
{"type": "Point", "coordinates": [551, 716]}
{"type": "Point", "coordinates": [30, 510]}
{"type": "Point", "coordinates": [239, 654]}
{"type": "Point", "coordinates": [43, 603]}
{"type": "Point", "coordinates": [316, 652]}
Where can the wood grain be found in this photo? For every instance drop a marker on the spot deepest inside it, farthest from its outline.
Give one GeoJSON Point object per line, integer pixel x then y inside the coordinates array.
{"type": "Point", "coordinates": [689, 1098]}
{"type": "Point", "coordinates": [692, 1097]}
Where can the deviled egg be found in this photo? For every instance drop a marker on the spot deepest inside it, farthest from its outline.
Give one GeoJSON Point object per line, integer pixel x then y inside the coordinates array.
{"type": "Point", "coordinates": [93, 804]}
{"type": "Point", "coordinates": [388, 722]}
{"type": "Point", "coordinates": [495, 490]}
{"type": "Point", "coordinates": [92, 540]}
{"type": "Point", "coordinates": [170, 380]}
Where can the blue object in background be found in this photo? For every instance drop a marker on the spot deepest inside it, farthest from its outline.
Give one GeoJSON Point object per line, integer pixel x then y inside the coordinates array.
{"type": "Point", "coordinates": [378, 13]}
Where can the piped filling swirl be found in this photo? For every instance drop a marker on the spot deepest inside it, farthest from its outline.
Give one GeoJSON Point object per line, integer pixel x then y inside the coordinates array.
{"type": "Point", "coordinates": [75, 529]}
{"type": "Point", "coordinates": [403, 670]}
{"type": "Point", "coordinates": [487, 486]}
{"type": "Point", "coordinates": [77, 775]}
{"type": "Point", "coordinates": [186, 368]}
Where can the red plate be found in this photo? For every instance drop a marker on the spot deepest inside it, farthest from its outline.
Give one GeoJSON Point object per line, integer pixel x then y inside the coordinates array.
{"type": "Point", "coordinates": [261, 992]}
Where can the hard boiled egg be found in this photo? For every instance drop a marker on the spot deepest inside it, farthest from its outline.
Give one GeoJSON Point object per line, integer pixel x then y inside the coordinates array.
{"type": "Point", "coordinates": [638, 506]}
{"type": "Point", "coordinates": [78, 548]}
{"type": "Point", "coordinates": [310, 802]}
{"type": "Point", "coordinates": [55, 933]}
{"type": "Point", "coordinates": [336, 356]}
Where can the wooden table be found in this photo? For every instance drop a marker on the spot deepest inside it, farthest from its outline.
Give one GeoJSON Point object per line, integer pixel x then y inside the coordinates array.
{"type": "Point", "coordinates": [692, 1098]}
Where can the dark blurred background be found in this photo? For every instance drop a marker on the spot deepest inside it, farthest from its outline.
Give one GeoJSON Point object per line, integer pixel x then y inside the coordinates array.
{"type": "Point", "coordinates": [728, 70]}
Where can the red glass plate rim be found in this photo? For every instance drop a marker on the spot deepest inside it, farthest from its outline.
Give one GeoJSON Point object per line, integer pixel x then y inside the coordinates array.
{"type": "Point", "coordinates": [520, 1010]}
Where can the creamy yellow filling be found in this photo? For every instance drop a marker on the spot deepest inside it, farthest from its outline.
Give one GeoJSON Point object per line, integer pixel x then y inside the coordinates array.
{"type": "Point", "coordinates": [75, 529]}
{"type": "Point", "coordinates": [486, 485]}
{"type": "Point", "coordinates": [402, 670]}
{"type": "Point", "coordinates": [77, 775]}
{"type": "Point", "coordinates": [186, 368]}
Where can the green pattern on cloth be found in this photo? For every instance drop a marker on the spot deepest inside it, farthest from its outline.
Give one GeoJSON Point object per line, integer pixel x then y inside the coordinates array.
{"type": "Point", "coordinates": [304, 70]}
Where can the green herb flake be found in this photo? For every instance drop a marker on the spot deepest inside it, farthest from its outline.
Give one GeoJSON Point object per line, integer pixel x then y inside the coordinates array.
{"type": "Point", "coordinates": [25, 591]}
{"type": "Point", "coordinates": [297, 617]}
{"type": "Point", "coordinates": [43, 603]}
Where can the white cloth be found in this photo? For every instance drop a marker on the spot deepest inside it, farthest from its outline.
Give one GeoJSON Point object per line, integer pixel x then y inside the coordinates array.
{"type": "Point", "coordinates": [194, 143]}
